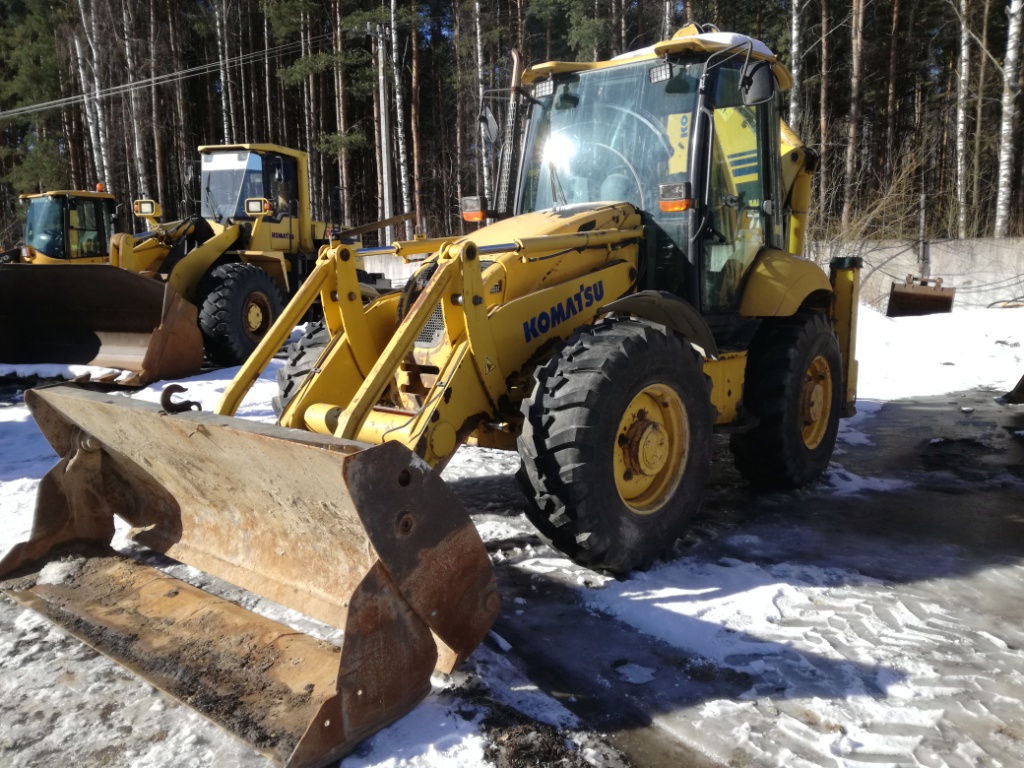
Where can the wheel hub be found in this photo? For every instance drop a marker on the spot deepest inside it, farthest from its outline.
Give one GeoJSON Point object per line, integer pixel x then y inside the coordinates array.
{"type": "Point", "coordinates": [254, 317]}
{"type": "Point", "coordinates": [815, 402]}
{"type": "Point", "coordinates": [651, 450]}
{"type": "Point", "coordinates": [647, 449]}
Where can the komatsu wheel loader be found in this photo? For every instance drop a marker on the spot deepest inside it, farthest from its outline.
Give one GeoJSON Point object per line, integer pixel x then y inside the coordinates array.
{"type": "Point", "coordinates": [212, 283]}
{"type": "Point", "coordinates": [638, 287]}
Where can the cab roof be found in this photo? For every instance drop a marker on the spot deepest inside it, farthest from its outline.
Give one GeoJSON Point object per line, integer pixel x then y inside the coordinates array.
{"type": "Point", "coordinates": [690, 39]}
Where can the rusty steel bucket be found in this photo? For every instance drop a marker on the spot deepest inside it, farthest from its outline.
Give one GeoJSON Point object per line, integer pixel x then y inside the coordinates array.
{"type": "Point", "coordinates": [919, 296]}
{"type": "Point", "coordinates": [97, 314]}
{"type": "Point", "coordinates": [365, 539]}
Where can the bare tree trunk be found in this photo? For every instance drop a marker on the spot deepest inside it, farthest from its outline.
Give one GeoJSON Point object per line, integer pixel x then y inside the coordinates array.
{"type": "Point", "coordinates": [378, 142]}
{"type": "Point", "coordinates": [403, 154]}
{"type": "Point", "coordinates": [978, 115]}
{"type": "Point", "coordinates": [666, 24]}
{"type": "Point", "coordinates": [1010, 75]}
{"type": "Point", "coordinates": [890, 107]}
{"type": "Point", "coordinates": [268, 97]}
{"type": "Point", "coordinates": [182, 152]}
{"type": "Point", "coordinates": [154, 108]}
{"type": "Point", "coordinates": [796, 57]}
{"type": "Point", "coordinates": [340, 103]}
{"type": "Point", "coordinates": [308, 121]}
{"type": "Point", "coordinates": [245, 125]}
{"type": "Point", "coordinates": [459, 116]}
{"type": "Point", "coordinates": [89, 74]}
{"type": "Point", "coordinates": [485, 166]}
{"type": "Point", "coordinates": [140, 184]}
{"type": "Point", "coordinates": [856, 67]}
{"type": "Point", "coordinates": [219, 11]}
{"type": "Point", "coordinates": [623, 41]}
{"type": "Point", "coordinates": [962, 96]}
{"type": "Point", "coordinates": [823, 174]}
{"type": "Point", "coordinates": [414, 108]}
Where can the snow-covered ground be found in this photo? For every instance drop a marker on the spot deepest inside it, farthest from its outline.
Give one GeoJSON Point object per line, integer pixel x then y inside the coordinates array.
{"type": "Point", "coordinates": [874, 684]}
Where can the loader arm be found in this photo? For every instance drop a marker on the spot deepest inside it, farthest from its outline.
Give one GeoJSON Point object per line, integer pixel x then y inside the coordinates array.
{"type": "Point", "coordinates": [482, 344]}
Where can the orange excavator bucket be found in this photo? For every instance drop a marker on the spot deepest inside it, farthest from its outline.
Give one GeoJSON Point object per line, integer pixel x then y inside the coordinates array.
{"type": "Point", "coordinates": [368, 540]}
{"type": "Point", "coordinates": [97, 314]}
{"type": "Point", "coordinates": [919, 296]}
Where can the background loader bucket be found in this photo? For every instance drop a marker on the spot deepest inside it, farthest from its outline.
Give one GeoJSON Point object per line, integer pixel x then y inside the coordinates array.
{"type": "Point", "coordinates": [366, 539]}
{"type": "Point", "coordinates": [919, 296]}
{"type": "Point", "coordinates": [96, 314]}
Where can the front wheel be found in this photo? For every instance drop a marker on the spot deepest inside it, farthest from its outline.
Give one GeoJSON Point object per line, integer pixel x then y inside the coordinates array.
{"type": "Point", "coordinates": [615, 444]}
{"type": "Point", "coordinates": [240, 303]}
{"type": "Point", "coordinates": [793, 386]}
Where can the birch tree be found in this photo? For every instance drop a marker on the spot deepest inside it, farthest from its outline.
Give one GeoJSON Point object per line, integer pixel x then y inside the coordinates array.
{"type": "Point", "coordinates": [1010, 87]}
{"type": "Point", "coordinates": [485, 166]}
{"type": "Point", "coordinates": [979, 105]}
{"type": "Point", "coordinates": [403, 154]}
{"type": "Point", "coordinates": [856, 66]}
{"type": "Point", "coordinates": [962, 97]}
{"type": "Point", "coordinates": [823, 172]}
{"type": "Point", "coordinates": [140, 182]}
{"type": "Point", "coordinates": [796, 59]}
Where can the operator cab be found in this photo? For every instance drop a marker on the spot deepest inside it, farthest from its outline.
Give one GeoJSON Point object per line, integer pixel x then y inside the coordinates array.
{"type": "Point", "coordinates": [681, 135]}
{"type": "Point", "coordinates": [229, 177]}
{"type": "Point", "coordinates": [69, 226]}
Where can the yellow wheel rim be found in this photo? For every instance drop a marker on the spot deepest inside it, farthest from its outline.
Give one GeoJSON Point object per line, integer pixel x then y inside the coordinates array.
{"type": "Point", "coordinates": [257, 314]}
{"type": "Point", "coordinates": [815, 402]}
{"type": "Point", "coordinates": [650, 449]}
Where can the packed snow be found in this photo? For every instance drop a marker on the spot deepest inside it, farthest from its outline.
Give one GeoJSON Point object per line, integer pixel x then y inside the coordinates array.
{"type": "Point", "coordinates": [739, 615]}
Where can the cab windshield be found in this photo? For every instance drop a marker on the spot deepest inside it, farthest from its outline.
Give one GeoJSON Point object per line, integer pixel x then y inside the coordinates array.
{"type": "Point", "coordinates": [44, 226]}
{"type": "Point", "coordinates": [228, 178]}
{"type": "Point", "coordinates": [610, 134]}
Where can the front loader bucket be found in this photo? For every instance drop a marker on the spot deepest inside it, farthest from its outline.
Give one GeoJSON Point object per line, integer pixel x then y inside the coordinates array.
{"type": "Point", "coordinates": [919, 296]}
{"type": "Point", "coordinates": [96, 314]}
{"type": "Point", "coordinates": [366, 539]}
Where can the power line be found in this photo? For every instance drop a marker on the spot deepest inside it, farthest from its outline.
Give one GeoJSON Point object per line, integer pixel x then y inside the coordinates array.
{"type": "Point", "coordinates": [171, 77]}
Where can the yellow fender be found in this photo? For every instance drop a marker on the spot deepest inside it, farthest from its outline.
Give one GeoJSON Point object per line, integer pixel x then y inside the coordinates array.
{"type": "Point", "coordinates": [779, 284]}
{"type": "Point", "coordinates": [189, 271]}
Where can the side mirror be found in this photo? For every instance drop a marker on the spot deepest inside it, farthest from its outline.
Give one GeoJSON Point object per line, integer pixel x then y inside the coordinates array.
{"type": "Point", "coordinates": [758, 83]}
{"type": "Point", "coordinates": [490, 124]}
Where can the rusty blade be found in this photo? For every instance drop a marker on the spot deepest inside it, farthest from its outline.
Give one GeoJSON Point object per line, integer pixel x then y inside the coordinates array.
{"type": "Point", "coordinates": [367, 539]}
{"type": "Point", "coordinates": [96, 314]}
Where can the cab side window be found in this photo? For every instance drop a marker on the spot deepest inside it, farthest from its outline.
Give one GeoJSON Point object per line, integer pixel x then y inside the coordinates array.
{"type": "Point", "coordinates": [86, 230]}
{"type": "Point", "coordinates": [735, 227]}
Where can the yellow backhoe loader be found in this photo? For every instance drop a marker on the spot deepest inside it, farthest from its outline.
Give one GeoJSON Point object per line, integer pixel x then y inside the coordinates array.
{"type": "Point", "coordinates": [638, 287]}
{"type": "Point", "coordinates": [213, 283]}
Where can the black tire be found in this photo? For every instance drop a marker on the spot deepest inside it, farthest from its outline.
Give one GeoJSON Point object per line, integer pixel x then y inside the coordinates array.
{"type": "Point", "coordinates": [793, 387]}
{"type": "Point", "coordinates": [239, 304]}
{"type": "Point", "coordinates": [301, 357]}
{"type": "Point", "coordinates": [586, 429]}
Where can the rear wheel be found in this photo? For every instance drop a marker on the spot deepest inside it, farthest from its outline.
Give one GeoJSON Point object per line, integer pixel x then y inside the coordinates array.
{"type": "Point", "coordinates": [240, 303]}
{"type": "Point", "coordinates": [793, 386]}
{"type": "Point", "coordinates": [615, 444]}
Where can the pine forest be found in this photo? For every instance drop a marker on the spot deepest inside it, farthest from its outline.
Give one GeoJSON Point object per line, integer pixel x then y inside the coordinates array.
{"type": "Point", "coordinates": [914, 107]}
